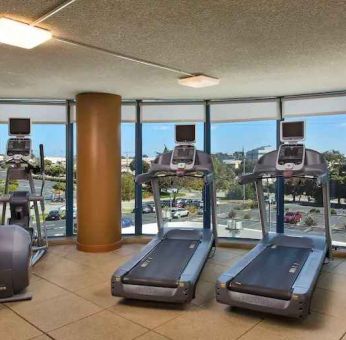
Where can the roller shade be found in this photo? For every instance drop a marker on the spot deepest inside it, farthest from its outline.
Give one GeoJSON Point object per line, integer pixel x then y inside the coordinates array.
{"type": "Point", "coordinates": [308, 106]}
{"type": "Point", "coordinates": [38, 113]}
{"type": "Point", "coordinates": [245, 111]}
{"type": "Point", "coordinates": [128, 113]}
{"type": "Point", "coordinates": [173, 112]}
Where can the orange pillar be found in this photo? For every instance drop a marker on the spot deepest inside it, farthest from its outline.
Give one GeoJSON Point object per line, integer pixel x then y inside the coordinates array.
{"type": "Point", "coordinates": [98, 172]}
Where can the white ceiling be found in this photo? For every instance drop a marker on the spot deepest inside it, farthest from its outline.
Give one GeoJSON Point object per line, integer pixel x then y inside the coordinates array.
{"type": "Point", "coordinates": [256, 48]}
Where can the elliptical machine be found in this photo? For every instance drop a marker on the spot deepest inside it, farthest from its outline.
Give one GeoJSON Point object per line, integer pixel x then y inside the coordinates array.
{"type": "Point", "coordinates": [21, 243]}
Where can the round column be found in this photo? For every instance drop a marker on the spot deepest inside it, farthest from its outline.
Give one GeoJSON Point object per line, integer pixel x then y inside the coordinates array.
{"type": "Point", "coordinates": [98, 172]}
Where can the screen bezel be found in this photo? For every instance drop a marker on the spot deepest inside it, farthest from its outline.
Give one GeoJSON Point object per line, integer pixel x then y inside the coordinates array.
{"type": "Point", "coordinates": [295, 138]}
{"type": "Point", "coordinates": [18, 134]}
{"type": "Point", "coordinates": [185, 141]}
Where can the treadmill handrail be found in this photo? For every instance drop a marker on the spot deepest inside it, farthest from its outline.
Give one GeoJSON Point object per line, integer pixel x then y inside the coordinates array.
{"type": "Point", "coordinates": [254, 176]}
{"type": "Point", "coordinates": [148, 176]}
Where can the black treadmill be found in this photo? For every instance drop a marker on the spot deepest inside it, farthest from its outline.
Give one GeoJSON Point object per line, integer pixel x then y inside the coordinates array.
{"type": "Point", "coordinates": [168, 268]}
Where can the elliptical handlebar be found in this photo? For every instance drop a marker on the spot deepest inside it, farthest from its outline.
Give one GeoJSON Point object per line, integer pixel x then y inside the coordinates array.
{"type": "Point", "coordinates": [41, 158]}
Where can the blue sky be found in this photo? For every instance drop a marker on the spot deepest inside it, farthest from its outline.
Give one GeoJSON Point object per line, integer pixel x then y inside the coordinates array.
{"type": "Point", "coordinates": [323, 133]}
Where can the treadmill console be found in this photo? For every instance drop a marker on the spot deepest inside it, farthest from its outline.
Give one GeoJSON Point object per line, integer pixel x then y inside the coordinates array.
{"type": "Point", "coordinates": [291, 154]}
{"type": "Point", "coordinates": [291, 157]}
{"type": "Point", "coordinates": [184, 154]}
{"type": "Point", "coordinates": [183, 157]}
{"type": "Point", "coordinates": [19, 146]}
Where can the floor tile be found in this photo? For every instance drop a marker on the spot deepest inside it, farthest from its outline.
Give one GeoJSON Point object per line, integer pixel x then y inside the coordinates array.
{"type": "Point", "coordinates": [147, 314]}
{"type": "Point", "coordinates": [224, 257]}
{"type": "Point", "coordinates": [57, 312]}
{"type": "Point", "coordinates": [338, 268]}
{"type": "Point", "coordinates": [104, 325]}
{"type": "Point", "coordinates": [331, 265]}
{"type": "Point", "coordinates": [151, 336]}
{"type": "Point", "coordinates": [202, 323]}
{"type": "Point", "coordinates": [205, 292]}
{"type": "Point", "coordinates": [69, 275]}
{"type": "Point", "coordinates": [329, 302]}
{"type": "Point", "coordinates": [333, 282]}
{"type": "Point", "coordinates": [129, 249]}
{"type": "Point", "coordinates": [99, 294]}
{"type": "Point", "coordinates": [212, 271]}
{"type": "Point", "coordinates": [41, 290]}
{"type": "Point", "coordinates": [316, 326]}
{"type": "Point", "coordinates": [41, 337]}
{"type": "Point", "coordinates": [14, 327]}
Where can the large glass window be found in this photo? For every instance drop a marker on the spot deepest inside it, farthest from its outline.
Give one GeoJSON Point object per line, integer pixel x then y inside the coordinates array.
{"type": "Point", "coordinates": [235, 148]}
{"type": "Point", "coordinates": [181, 199]}
{"type": "Point", "coordinates": [326, 134]}
{"type": "Point", "coordinates": [52, 136]}
{"type": "Point", "coordinates": [128, 178]}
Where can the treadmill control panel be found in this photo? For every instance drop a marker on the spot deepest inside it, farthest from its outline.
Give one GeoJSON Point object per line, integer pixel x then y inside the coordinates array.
{"type": "Point", "coordinates": [19, 147]}
{"type": "Point", "coordinates": [183, 157]}
{"type": "Point", "coordinates": [290, 157]}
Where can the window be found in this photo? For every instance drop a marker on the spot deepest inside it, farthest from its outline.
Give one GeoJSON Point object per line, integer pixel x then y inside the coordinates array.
{"type": "Point", "coordinates": [127, 178]}
{"type": "Point", "coordinates": [326, 134]}
{"type": "Point", "coordinates": [52, 136]}
{"type": "Point", "coordinates": [235, 148]}
{"type": "Point", "coordinates": [181, 199]}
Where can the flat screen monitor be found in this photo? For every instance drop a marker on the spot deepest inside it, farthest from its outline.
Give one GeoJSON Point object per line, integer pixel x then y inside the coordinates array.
{"type": "Point", "coordinates": [292, 131]}
{"type": "Point", "coordinates": [19, 126]}
{"type": "Point", "coordinates": [185, 133]}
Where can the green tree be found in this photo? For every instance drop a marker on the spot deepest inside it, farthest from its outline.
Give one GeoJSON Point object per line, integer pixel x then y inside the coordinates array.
{"type": "Point", "coordinates": [127, 187]}
{"type": "Point", "coordinates": [59, 186]}
{"type": "Point", "coordinates": [13, 186]}
{"type": "Point", "coordinates": [145, 165]}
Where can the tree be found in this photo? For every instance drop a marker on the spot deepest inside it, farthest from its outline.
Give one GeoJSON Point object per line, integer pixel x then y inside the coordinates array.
{"type": "Point", "coordinates": [145, 165]}
{"type": "Point", "coordinates": [59, 186]}
{"type": "Point", "coordinates": [336, 165]}
{"type": "Point", "coordinates": [13, 186]}
{"type": "Point", "coordinates": [127, 187]}
{"type": "Point", "coordinates": [294, 186]}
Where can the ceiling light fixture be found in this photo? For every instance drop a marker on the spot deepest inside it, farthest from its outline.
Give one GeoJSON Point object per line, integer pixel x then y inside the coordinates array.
{"type": "Point", "coordinates": [198, 81]}
{"type": "Point", "coordinates": [19, 34]}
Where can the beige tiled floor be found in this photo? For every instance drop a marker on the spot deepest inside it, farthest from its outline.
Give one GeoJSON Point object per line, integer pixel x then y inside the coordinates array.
{"type": "Point", "coordinates": [72, 300]}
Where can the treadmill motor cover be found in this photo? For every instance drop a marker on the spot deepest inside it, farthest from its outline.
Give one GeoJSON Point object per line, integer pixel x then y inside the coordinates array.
{"type": "Point", "coordinates": [272, 273]}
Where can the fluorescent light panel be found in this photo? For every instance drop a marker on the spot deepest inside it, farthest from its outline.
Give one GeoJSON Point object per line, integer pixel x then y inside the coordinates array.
{"type": "Point", "coordinates": [198, 81]}
{"type": "Point", "coordinates": [16, 33]}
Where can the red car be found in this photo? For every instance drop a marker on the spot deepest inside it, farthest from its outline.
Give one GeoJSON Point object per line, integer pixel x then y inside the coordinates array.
{"type": "Point", "coordinates": [293, 217]}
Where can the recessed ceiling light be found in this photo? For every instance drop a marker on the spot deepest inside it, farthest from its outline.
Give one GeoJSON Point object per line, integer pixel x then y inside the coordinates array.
{"type": "Point", "coordinates": [18, 34]}
{"type": "Point", "coordinates": [198, 81]}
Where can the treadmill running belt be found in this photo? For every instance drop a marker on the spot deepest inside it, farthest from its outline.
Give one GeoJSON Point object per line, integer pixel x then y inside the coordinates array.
{"type": "Point", "coordinates": [272, 273]}
{"type": "Point", "coordinates": [163, 266]}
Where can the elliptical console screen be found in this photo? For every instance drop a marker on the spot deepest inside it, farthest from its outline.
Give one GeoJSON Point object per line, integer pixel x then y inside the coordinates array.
{"type": "Point", "coordinates": [292, 131]}
{"type": "Point", "coordinates": [19, 146]}
{"type": "Point", "coordinates": [19, 126]}
{"type": "Point", "coordinates": [185, 133]}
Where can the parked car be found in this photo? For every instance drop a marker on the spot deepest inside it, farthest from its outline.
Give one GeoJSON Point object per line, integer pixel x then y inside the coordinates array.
{"type": "Point", "coordinates": [53, 215]}
{"type": "Point", "coordinates": [58, 199]}
{"type": "Point", "coordinates": [147, 209]}
{"type": "Point", "coordinates": [126, 222]}
{"type": "Point", "coordinates": [293, 217]}
{"type": "Point", "coordinates": [178, 213]}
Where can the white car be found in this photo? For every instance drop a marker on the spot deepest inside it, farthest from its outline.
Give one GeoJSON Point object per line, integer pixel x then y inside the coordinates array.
{"type": "Point", "coordinates": [178, 213]}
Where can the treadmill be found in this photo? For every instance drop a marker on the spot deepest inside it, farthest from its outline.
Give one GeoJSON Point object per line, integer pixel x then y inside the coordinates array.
{"type": "Point", "coordinates": [167, 269]}
{"type": "Point", "coordinates": [278, 276]}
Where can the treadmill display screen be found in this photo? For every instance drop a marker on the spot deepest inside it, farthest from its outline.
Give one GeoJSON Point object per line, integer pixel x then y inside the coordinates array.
{"type": "Point", "coordinates": [185, 133]}
{"type": "Point", "coordinates": [292, 131]}
{"type": "Point", "coordinates": [19, 126]}
{"type": "Point", "coordinates": [291, 154]}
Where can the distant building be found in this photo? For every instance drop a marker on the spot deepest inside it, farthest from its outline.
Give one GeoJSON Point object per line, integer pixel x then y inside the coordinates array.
{"type": "Point", "coordinates": [233, 162]}
{"type": "Point", "coordinates": [255, 154]}
{"type": "Point", "coordinates": [56, 160]}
